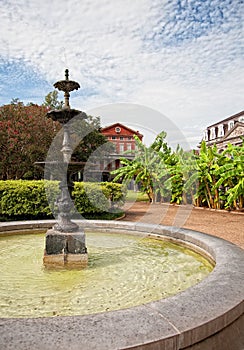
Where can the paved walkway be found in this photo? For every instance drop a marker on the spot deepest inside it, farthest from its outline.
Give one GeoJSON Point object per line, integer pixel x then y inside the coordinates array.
{"type": "Point", "coordinates": [224, 224]}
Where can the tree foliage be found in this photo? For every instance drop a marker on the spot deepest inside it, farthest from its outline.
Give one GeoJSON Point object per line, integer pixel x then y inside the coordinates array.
{"type": "Point", "coordinates": [25, 135]}
{"type": "Point", "coordinates": [231, 176]}
{"type": "Point", "coordinates": [91, 142]}
{"type": "Point", "coordinates": [52, 102]}
{"type": "Point", "coordinates": [207, 179]}
{"type": "Point", "coordinates": [148, 167]}
{"type": "Point", "coordinates": [220, 177]}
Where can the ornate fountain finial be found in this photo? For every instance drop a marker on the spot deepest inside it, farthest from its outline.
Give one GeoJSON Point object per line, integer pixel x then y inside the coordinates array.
{"type": "Point", "coordinates": [66, 114]}
{"type": "Point", "coordinates": [66, 86]}
{"type": "Point", "coordinates": [66, 74]}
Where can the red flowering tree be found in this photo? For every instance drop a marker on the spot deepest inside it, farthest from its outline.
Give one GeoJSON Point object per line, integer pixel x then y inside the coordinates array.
{"type": "Point", "coordinates": [25, 136]}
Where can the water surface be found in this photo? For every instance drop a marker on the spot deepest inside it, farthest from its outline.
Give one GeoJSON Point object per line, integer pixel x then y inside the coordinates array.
{"type": "Point", "coordinates": [123, 271]}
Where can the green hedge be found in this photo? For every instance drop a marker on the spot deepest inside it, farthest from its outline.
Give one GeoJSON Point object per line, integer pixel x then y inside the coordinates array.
{"type": "Point", "coordinates": [21, 199]}
{"type": "Point", "coordinates": [92, 198]}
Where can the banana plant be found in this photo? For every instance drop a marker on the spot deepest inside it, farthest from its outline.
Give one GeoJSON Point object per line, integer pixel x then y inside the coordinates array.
{"type": "Point", "coordinates": [184, 177]}
{"type": "Point", "coordinates": [231, 176]}
{"type": "Point", "coordinates": [147, 167]}
{"type": "Point", "coordinates": [204, 175]}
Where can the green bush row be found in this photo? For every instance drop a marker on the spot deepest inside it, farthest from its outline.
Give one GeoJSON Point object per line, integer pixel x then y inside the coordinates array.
{"type": "Point", "coordinates": [22, 199]}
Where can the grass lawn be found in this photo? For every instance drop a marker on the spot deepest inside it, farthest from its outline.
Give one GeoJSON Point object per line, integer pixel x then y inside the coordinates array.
{"type": "Point", "coordinates": [136, 196]}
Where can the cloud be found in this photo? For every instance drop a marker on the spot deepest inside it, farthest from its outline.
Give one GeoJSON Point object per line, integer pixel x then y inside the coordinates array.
{"type": "Point", "coordinates": [183, 58]}
{"type": "Point", "coordinates": [14, 84]}
{"type": "Point", "coordinates": [177, 22]}
{"type": "Point", "coordinates": [148, 121]}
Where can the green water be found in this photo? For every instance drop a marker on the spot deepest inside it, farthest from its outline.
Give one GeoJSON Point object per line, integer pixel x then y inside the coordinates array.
{"type": "Point", "coordinates": [123, 271]}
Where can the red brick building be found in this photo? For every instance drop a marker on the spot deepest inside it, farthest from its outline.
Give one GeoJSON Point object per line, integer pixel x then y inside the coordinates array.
{"type": "Point", "coordinates": [122, 138]}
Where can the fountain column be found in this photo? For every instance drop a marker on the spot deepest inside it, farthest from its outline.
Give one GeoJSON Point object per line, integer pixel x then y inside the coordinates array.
{"type": "Point", "coordinates": [65, 242]}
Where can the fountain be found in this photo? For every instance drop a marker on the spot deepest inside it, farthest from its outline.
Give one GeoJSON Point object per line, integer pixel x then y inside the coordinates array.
{"type": "Point", "coordinates": [65, 242]}
{"type": "Point", "coordinates": [207, 315]}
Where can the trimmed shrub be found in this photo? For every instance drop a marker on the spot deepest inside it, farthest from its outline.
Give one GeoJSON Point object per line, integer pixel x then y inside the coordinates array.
{"type": "Point", "coordinates": [115, 192]}
{"type": "Point", "coordinates": [25, 199]}
{"type": "Point", "coordinates": [22, 199]}
{"type": "Point", "coordinates": [91, 198]}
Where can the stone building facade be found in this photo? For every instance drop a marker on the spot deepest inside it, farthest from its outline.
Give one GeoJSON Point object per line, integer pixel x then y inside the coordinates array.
{"type": "Point", "coordinates": [226, 131]}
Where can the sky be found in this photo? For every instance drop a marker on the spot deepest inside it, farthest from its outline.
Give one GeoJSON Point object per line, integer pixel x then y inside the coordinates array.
{"type": "Point", "coordinates": [147, 63]}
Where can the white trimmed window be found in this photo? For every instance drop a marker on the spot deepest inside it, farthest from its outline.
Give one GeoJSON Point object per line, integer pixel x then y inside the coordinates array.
{"type": "Point", "coordinates": [241, 119]}
{"type": "Point", "coordinates": [221, 130]}
{"type": "Point", "coordinates": [205, 135]}
{"type": "Point", "coordinates": [230, 124]}
{"type": "Point", "coordinates": [128, 147]}
{"type": "Point", "coordinates": [212, 134]}
{"type": "Point", "coordinates": [121, 147]}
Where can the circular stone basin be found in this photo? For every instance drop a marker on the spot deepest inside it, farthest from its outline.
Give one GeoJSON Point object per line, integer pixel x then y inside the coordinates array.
{"type": "Point", "coordinates": [123, 271]}
{"type": "Point", "coordinates": [205, 316]}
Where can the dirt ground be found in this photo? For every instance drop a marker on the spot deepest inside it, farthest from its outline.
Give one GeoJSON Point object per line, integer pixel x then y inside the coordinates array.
{"type": "Point", "coordinates": [224, 224]}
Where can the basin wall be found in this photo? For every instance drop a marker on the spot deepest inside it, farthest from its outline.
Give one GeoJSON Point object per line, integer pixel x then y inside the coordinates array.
{"type": "Point", "coordinates": [206, 316]}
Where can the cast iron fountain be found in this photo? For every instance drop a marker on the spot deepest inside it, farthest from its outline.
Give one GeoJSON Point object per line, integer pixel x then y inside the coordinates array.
{"type": "Point", "coordinates": [65, 242]}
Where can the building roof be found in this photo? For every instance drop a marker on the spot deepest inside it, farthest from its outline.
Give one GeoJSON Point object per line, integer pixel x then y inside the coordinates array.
{"type": "Point", "coordinates": [122, 126]}
{"type": "Point", "coordinates": [234, 116]}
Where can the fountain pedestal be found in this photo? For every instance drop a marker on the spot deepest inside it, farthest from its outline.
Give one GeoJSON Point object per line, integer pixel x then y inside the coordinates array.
{"type": "Point", "coordinates": [65, 249]}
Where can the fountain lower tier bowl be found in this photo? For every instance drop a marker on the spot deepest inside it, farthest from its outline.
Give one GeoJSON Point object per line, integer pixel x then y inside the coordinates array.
{"type": "Point", "coordinates": [202, 314]}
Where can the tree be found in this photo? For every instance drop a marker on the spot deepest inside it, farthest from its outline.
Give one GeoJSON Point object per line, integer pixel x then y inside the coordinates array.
{"type": "Point", "coordinates": [148, 167]}
{"type": "Point", "coordinates": [52, 102]}
{"type": "Point", "coordinates": [88, 133]}
{"type": "Point", "coordinates": [231, 176]}
{"type": "Point", "coordinates": [211, 179]}
{"type": "Point", "coordinates": [207, 163]}
{"type": "Point", "coordinates": [25, 136]}
{"type": "Point", "coordinates": [175, 183]}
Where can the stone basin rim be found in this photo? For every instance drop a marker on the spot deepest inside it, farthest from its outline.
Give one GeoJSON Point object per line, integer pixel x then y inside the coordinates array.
{"type": "Point", "coordinates": [174, 323]}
